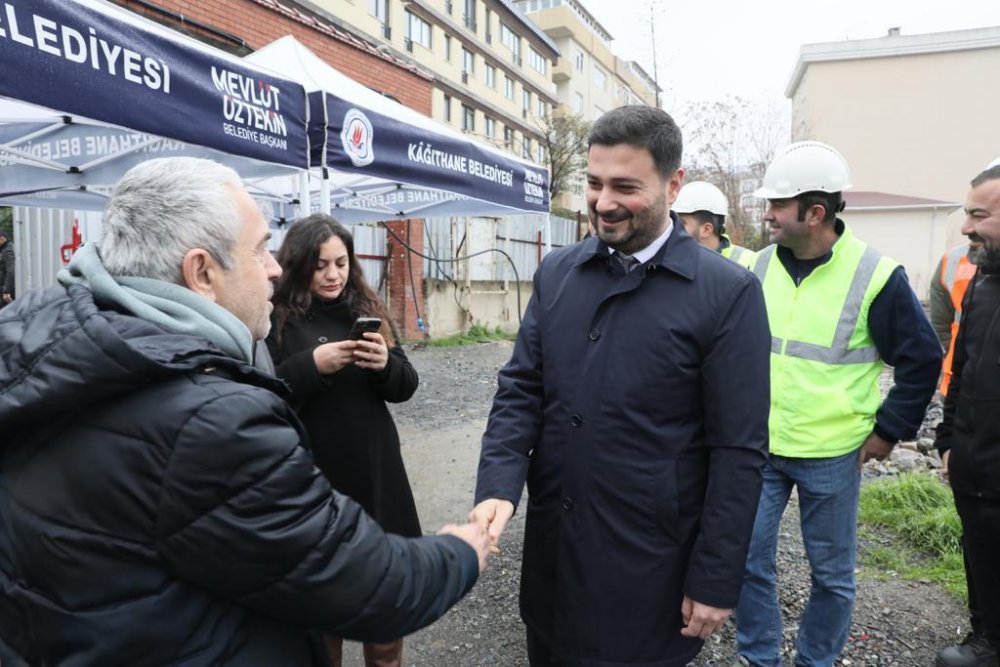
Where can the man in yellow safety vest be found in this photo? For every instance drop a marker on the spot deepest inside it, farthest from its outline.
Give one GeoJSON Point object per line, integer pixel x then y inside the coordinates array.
{"type": "Point", "coordinates": [703, 208]}
{"type": "Point", "coordinates": [839, 311]}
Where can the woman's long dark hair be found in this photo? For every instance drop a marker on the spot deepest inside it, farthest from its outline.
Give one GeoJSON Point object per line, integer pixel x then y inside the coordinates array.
{"type": "Point", "coordinates": [299, 256]}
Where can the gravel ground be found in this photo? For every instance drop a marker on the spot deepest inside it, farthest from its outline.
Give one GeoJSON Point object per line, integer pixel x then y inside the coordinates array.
{"type": "Point", "coordinates": [896, 622]}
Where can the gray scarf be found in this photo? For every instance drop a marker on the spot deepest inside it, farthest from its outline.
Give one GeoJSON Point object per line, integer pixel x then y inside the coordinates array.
{"type": "Point", "coordinates": [166, 304]}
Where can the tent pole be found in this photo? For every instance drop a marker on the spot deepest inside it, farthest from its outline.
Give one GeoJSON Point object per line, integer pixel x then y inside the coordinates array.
{"type": "Point", "coordinates": [324, 192]}
{"type": "Point", "coordinates": [304, 204]}
{"type": "Point", "coordinates": [547, 226]}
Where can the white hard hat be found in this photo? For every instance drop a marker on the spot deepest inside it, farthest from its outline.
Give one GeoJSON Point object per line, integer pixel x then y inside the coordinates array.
{"type": "Point", "coordinates": [995, 163]}
{"type": "Point", "coordinates": [805, 166]}
{"type": "Point", "coordinates": [701, 196]}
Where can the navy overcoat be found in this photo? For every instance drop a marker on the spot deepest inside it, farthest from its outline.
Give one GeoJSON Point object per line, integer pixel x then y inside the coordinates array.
{"type": "Point", "coordinates": [635, 407]}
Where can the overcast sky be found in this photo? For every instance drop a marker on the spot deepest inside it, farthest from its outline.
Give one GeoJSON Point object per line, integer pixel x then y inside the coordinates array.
{"type": "Point", "coordinates": [708, 49]}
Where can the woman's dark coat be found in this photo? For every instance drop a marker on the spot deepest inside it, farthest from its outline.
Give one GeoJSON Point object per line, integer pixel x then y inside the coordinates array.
{"type": "Point", "coordinates": [352, 435]}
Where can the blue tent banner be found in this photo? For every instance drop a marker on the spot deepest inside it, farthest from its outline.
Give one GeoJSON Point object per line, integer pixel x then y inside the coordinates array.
{"type": "Point", "coordinates": [363, 141]}
{"type": "Point", "coordinates": [94, 60]}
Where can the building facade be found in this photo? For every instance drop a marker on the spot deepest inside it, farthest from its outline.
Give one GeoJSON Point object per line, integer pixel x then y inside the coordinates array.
{"type": "Point", "coordinates": [590, 79]}
{"type": "Point", "coordinates": [915, 116]}
{"type": "Point", "coordinates": [491, 67]}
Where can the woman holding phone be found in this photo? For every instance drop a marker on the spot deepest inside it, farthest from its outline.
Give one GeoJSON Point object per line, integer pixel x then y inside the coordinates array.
{"type": "Point", "coordinates": [340, 385]}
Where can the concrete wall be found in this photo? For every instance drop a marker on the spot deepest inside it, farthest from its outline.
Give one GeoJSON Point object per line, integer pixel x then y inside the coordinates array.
{"type": "Point", "coordinates": [451, 312]}
{"type": "Point", "coordinates": [919, 125]}
{"type": "Point", "coordinates": [914, 238]}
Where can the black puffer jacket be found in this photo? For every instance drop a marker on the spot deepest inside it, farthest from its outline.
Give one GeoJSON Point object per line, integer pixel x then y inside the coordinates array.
{"type": "Point", "coordinates": [157, 507]}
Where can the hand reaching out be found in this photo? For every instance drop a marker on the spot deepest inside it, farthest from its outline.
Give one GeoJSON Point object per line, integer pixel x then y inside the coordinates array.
{"type": "Point", "coordinates": [472, 534]}
{"type": "Point", "coordinates": [493, 515]}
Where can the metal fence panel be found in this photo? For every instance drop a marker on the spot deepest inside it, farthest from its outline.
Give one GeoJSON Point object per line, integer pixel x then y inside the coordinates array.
{"type": "Point", "coordinates": [519, 236]}
{"type": "Point", "coordinates": [39, 233]}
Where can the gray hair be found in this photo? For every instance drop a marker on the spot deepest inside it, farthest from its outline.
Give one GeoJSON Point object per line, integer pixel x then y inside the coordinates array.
{"type": "Point", "coordinates": [165, 207]}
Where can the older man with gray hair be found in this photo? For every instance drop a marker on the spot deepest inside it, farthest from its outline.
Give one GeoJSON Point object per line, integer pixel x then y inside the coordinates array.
{"type": "Point", "coordinates": [157, 502]}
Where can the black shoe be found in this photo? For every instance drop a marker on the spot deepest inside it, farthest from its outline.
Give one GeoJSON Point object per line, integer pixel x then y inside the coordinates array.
{"type": "Point", "coordinates": [974, 651]}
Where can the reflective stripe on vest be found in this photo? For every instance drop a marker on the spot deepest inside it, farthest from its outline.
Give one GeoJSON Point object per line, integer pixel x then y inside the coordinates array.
{"type": "Point", "coordinates": [738, 254]}
{"type": "Point", "coordinates": [957, 271]}
{"type": "Point", "coordinates": [848, 320]}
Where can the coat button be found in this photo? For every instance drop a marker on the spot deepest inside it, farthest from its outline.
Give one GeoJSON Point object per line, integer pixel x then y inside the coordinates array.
{"type": "Point", "coordinates": [568, 504]}
{"type": "Point", "coordinates": [575, 420]}
{"type": "Point", "coordinates": [595, 334]}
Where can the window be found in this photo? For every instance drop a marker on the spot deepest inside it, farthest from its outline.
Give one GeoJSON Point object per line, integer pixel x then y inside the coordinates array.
{"type": "Point", "coordinates": [447, 108]}
{"type": "Point", "coordinates": [468, 61]}
{"type": "Point", "coordinates": [447, 48]}
{"type": "Point", "coordinates": [508, 87]}
{"type": "Point", "coordinates": [380, 10]}
{"type": "Point", "coordinates": [543, 108]}
{"type": "Point", "coordinates": [511, 40]}
{"type": "Point", "coordinates": [537, 60]}
{"type": "Point", "coordinates": [541, 154]}
{"type": "Point", "coordinates": [508, 137]}
{"type": "Point", "coordinates": [526, 148]}
{"type": "Point", "coordinates": [418, 30]}
{"type": "Point", "coordinates": [469, 18]}
{"type": "Point", "coordinates": [491, 127]}
{"type": "Point", "coordinates": [577, 103]}
{"type": "Point", "coordinates": [526, 101]}
{"type": "Point", "coordinates": [468, 119]}
{"type": "Point", "coordinates": [579, 61]}
{"type": "Point", "coordinates": [600, 79]}
{"type": "Point", "coordinates": [491, 76]}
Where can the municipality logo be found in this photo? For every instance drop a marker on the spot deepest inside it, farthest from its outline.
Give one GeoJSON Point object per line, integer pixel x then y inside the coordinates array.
{"type": "Point", "coordinates": [356, 138]}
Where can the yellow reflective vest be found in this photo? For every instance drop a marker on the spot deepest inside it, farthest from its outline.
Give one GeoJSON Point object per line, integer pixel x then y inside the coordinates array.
{"type": "Point", "coordinates": [824, 365]}
{"type": "Point", "coordinates": [738, 254]}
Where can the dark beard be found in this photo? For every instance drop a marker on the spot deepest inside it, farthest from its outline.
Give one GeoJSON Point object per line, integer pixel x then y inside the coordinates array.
{"type": "Point", "coordinates": [986, 257]}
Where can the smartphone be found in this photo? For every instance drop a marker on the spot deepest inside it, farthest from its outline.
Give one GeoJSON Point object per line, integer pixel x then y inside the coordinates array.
{"type": "Point", "coordinates": [363, 325]}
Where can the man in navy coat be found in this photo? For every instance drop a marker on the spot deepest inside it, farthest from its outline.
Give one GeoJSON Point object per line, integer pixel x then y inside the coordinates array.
{"type": "Point", "coordinates": [635, 407]}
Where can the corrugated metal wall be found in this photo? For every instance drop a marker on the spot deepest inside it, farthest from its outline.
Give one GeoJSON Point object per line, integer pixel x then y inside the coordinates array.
{"type": "Point", "coordinates": [40, 232]}
{"type": "Point", "coordinates": [520, 236]}
{"type": "Point", "coordinates": [38, 235]}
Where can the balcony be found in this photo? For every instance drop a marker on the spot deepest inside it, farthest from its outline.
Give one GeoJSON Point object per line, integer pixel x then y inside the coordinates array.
{"type": "Point", "coordinates": [489, 38]}
{"type": "Point", "coordinates": [469, 21]}
{"type": "Point", "coordinates": [465, 77]}
{"type": "Point", "coordinates": [408, 43]}
{"type": "Point", "coordinates": [448, 6]}
{"type": "Point", "coordinates": [387, 31]}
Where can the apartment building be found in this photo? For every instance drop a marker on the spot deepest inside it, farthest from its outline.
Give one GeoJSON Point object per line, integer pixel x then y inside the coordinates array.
{"type": "Point", "coordinates": [491, 66]}
{"type": "Point", "coordinates": [590, 79]}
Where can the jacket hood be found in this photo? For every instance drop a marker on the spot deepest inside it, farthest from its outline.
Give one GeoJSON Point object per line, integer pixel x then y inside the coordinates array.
{"type": "Point", "coordinates": [60, 351]}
